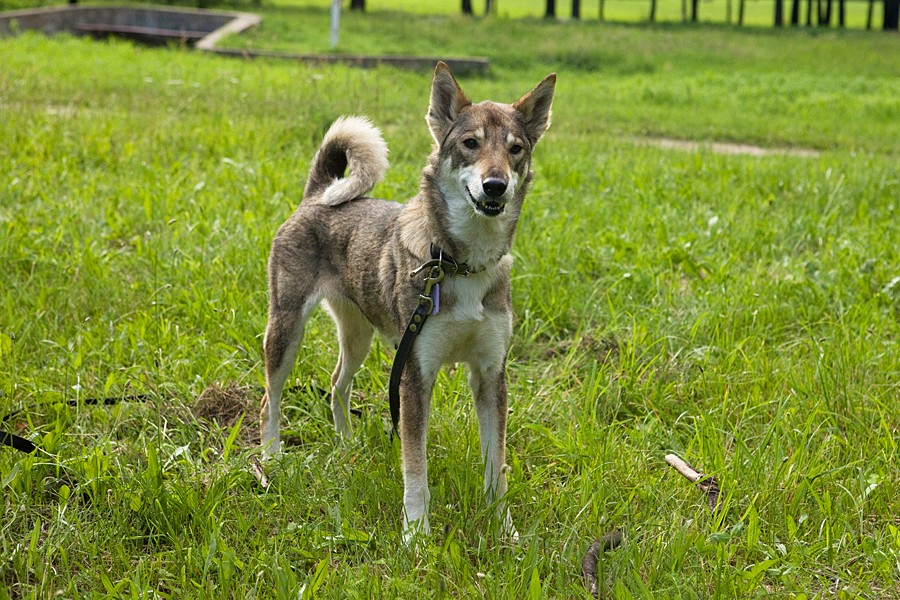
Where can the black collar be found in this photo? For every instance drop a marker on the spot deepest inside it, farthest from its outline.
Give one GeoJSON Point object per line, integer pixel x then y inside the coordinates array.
{"type": "Point", "coordinates": [450, 265]}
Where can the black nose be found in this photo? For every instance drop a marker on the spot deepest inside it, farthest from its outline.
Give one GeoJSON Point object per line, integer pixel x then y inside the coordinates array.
{"type": "Point", "coordinates": [493, 187]}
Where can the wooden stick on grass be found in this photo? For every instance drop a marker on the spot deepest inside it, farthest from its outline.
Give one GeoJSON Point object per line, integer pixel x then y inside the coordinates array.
{"type": "Point", "coordinates": [589, 563]}
{"type": "Point", "coordinates": [707, 483]}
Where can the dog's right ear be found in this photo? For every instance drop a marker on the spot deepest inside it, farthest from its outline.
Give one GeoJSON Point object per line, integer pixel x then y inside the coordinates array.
{"type": "Point", "coordinates": [447, 99]}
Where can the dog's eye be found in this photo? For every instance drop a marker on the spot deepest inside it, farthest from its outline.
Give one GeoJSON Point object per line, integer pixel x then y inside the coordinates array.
{"type": "Point", "coordinates": [516, 149]}
{"type": "Point", "coordinates": [470, 143]}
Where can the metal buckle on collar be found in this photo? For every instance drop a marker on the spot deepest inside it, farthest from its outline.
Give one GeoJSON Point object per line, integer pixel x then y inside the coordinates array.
{"type": "Point", "coordinates": [435, 277]}
{"type": "Point", "coordinates": [448, 267]}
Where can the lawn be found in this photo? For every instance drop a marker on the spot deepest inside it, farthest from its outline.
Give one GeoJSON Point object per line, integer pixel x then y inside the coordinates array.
{"type": "Point", "coordinates": [740, 311]}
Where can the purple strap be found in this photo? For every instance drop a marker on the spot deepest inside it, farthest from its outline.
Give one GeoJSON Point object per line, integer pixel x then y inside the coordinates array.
{"type": "Point", "coordinates": [436, 298]}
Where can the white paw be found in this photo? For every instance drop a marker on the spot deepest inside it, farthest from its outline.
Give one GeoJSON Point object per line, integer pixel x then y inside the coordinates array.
{"type": "Point", "coordinates": [341, 427]}
{"type": "Point", "coordinates": [271, 448]}
{"type": "Point", "coordinates": [341, 422]}
{"type": "Point", "coordinates": [509, 530]}
{"type": "Point", "coordinates": [415, 531]}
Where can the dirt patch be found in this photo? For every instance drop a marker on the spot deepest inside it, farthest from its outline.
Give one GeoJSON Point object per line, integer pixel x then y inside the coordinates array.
{"type": "Point", "coordinates": [726, 148]}
{"type": "Point", "coordinates": [224, 406]}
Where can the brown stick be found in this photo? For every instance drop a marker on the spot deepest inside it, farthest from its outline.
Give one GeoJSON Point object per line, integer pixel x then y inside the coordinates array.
{"type": "Point", "coordinates": [589, 563]}
{"type": "Point", "coordinates": [682, 467]}
{"type": "Point", "coordinates": [706, 483]}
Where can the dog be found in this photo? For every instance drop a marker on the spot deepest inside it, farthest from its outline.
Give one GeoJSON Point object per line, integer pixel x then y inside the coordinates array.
{"type": "Point", "coordinates": [365, 259]}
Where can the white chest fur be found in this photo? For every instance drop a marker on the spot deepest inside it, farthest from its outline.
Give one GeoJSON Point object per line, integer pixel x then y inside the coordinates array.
{"type": "Point", "coordinates": [465, 331]}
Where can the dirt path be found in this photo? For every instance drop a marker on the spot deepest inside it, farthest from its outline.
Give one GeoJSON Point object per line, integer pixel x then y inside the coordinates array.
{"type": "Point", "coordinates": [725, 148]}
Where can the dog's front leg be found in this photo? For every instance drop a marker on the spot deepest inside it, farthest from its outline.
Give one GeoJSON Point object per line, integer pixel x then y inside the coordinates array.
{"type": "Point", "coordinates": [415, 406]}
{"type": "Point", "coordinates": [489, 391]}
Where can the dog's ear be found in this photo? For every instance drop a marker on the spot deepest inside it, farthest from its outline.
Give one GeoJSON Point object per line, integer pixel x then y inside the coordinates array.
{"type": "Point", "coordinates": [447, 99]}
{"type": "Point", "coordinates": [535, 107]}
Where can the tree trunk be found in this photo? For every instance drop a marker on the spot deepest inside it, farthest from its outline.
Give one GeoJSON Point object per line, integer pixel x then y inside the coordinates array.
{"type": "Point", "coordinates": [842, 13]}
{"type": "Point", "coordinates": [795, 12]}
{"type": "Point", "coordinates": [601, 11]}
{"type": "Point", "coordinates": [467, 7]}
{"type": "Point", "coordinates": [551, 10]}
{"type": "Point", "coordinates": [891, 15]}
{"type": "Point", "coordinates": [684, 16]}
{"type": "Point", "coordinates": [779, 13]}
{"type": "Point", "coordinates": [359, 5]}
{"type": "Point", "coordinates": [809, 13]}
{"type": "Point", "coordinates": [576, 9]}
{"type": "Point", "coordinates": [694, 5]}
{"type": "Point", "coordinates": [869, 14]}
{"type": "Point", "coordinates": [741, 12]}
{"type": "Point", "coordinates": [652, 11]}
{"type": "Point", "coordinates": [824, 12]}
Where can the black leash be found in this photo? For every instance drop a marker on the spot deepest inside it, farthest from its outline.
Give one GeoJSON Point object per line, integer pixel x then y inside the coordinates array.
{"type": "Point", "coordinates": [12, 440]}
{"type": "Point", "coordinates": [16, 442]}
{"type": "Point", "coordinates": [21, 444]}
{"type": "Point", "coordinates": [436, 269]}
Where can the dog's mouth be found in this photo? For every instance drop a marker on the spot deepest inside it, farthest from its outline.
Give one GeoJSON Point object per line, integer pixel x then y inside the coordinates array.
{"type": "Point", "coordinates": [489, 207]}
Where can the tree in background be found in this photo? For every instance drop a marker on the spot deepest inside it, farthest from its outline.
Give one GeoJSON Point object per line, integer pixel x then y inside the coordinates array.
{"type": "Point", "coordinates": [467, 7]}
{"type": "Point", "coordinates": [891, 15]}
{"type": "Point", "coordinates": [795, 12]}
{"type": "Point", "coordinates": [576, 9]}
{"type": "Point", "coordinates": [359, 5]}
{"type": "Point", "coordinates": [824, 12]}
{"type": "Point", "coordinates": [550, 13]}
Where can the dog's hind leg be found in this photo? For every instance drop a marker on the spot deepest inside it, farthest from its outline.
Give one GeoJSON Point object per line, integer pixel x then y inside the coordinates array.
{"type": "Point", "coordinates": [489, 391]}
{"type": "Point", "coordinates": [284, 333]}
{"type": "Point", "coordinates": [355, 337]}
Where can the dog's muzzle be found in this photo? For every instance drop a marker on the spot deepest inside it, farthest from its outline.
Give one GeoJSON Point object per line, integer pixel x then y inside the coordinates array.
{"type": "Point", "coordinates": [492, 203]}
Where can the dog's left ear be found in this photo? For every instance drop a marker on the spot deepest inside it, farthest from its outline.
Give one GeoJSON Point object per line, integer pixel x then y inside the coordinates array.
{"type": "Point", "coordinates": [535, 107]}
{"type": "Point", "coordinates": [447, 99]}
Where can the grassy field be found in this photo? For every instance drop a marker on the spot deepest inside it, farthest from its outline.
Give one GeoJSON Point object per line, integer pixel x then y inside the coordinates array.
{"type": "Point", "coordinates": [741, 311]}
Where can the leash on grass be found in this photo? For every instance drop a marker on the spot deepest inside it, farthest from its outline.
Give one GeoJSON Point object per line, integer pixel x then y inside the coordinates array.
{"type": "Point", "coordinates": [439, 267]}
{"type": "Point", "coordinates": [17, 442]}
{"type": "Point", "coordinates": [22, 444]}
{"type": "Point", "coordinates": [435, 270]}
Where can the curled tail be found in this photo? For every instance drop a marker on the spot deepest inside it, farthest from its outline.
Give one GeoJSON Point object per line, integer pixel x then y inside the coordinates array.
{"type": "Point", "coordinates": [352, 144]}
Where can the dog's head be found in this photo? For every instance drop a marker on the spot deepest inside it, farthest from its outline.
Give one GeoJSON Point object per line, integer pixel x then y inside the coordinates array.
{"type": "Point", "coordinates": [484, 150]}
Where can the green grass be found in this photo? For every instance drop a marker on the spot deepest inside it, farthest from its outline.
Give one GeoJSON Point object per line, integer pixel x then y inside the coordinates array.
{"type": "Point", "coordinates": [739, 311]}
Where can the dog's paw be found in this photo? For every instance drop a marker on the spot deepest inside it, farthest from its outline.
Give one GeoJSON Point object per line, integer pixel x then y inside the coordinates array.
{"type": "Point", "coordinates": [509, 530]}
{"type": "Point", "coordinates": [415, 532]}
{"type": "Point", "coordinates": [271, 448]}
{"type": "Point", "coordinates": [341, 426]}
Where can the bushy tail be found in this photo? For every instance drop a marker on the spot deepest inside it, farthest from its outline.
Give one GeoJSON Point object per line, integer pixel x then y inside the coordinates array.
{"type": "Point", "coordinates": [352, 145]}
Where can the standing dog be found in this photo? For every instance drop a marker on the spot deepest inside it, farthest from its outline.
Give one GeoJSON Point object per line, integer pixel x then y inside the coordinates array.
{"type": "Point", "coordinates": [364, 257]}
